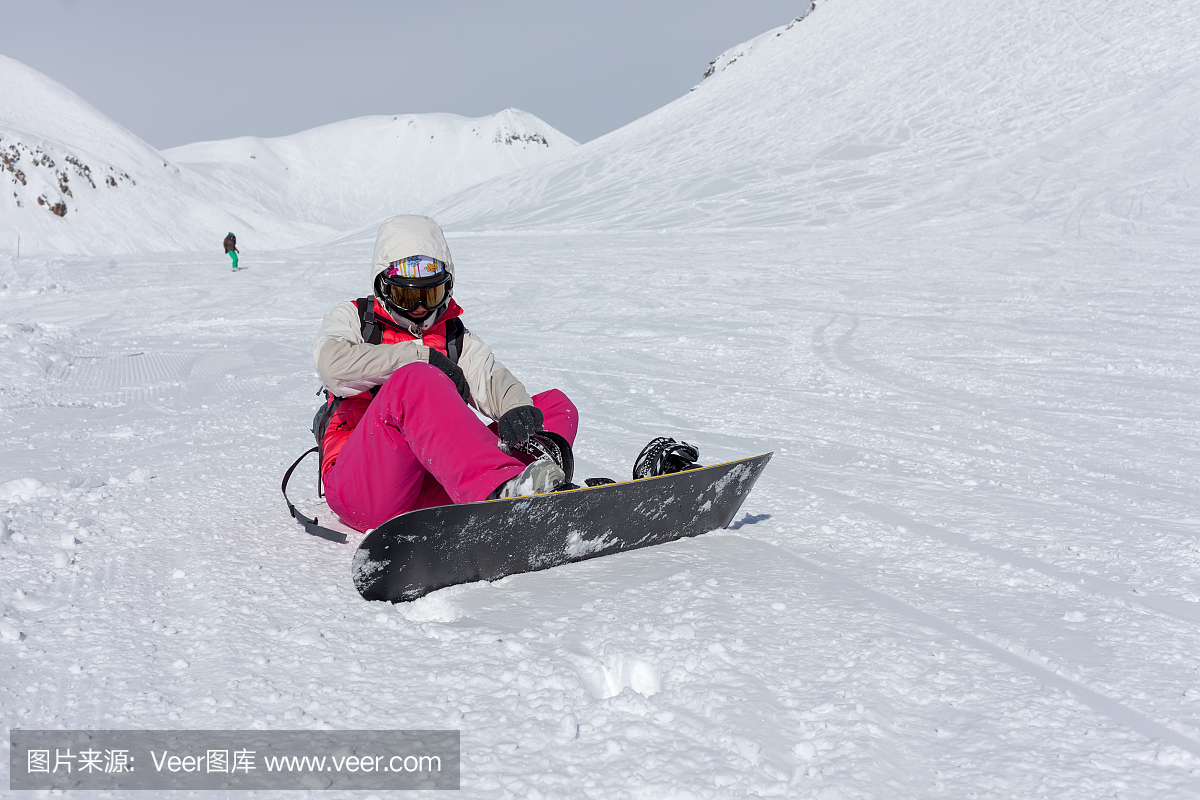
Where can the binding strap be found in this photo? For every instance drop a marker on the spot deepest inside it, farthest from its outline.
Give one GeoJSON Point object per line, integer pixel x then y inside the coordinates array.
{"type": "Point", "coordinates": [310, 525]}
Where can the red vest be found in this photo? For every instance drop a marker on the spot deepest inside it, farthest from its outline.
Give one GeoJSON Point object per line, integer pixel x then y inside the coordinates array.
{"type": "Point", "coordinates": [350, 410]}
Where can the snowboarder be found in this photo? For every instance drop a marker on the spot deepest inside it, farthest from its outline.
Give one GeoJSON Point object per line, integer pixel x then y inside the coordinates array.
{"type": "Point", "coordinates": [400, 433]}
{"type": "Point", "coordinates": [231, 248]}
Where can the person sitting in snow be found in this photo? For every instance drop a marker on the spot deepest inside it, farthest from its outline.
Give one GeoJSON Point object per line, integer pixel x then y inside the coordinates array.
{"type": "Point", "coordinates": [400, 433]}
{"type": "Point", "coordinates": [231, 248]}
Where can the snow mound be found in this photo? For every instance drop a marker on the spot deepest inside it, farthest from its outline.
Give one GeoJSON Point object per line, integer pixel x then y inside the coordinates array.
{"type": "Point", "coordinates": [31, 357]}
{"type": "Point", "coordinates": [23, 489]}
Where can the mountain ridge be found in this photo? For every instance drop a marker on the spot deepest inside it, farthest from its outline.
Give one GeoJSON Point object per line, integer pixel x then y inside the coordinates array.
{"type": "Point", "coordinates": [74, 181]}
{"type": "Point", "coordinates": [870, 114]}
{"type": "Point", "coordinates": [358, 171]}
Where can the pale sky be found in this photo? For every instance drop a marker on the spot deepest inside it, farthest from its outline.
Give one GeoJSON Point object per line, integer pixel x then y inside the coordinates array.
{"type": "Point", "coordinates": [175, 72]}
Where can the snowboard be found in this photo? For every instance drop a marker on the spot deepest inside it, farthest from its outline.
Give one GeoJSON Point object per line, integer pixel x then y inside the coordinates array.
{"type": "Point", "coordinates": [432, 548]}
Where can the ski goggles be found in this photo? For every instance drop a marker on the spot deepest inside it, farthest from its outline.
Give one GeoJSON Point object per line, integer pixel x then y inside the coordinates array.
{"type": "Point", "coordinates": [407, 298]}
{"type": "Point", "coordinates": [416, 281]}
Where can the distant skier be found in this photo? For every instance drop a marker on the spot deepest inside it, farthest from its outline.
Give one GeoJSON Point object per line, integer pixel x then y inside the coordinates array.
{"type": "Point", "coordinates": [400, 371]}
{"type": "Point", "coordinates": [231, 249]}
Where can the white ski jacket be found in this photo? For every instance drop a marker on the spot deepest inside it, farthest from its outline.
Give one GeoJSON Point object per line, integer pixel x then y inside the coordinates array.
{"type": "Point", "coordinates": [347, 365]}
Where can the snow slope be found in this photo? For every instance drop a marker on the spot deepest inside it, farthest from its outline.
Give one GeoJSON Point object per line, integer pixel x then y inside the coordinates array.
{"type": "Point", "coordinates": [904, 112]}
{"type": "Point", "coordinates": [361, 171]}
{"type": "Point", "coordinates": [971, 569]}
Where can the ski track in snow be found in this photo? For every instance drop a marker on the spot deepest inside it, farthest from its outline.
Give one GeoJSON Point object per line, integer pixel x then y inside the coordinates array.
{"type": "Point", "coordinates": [969, 568]}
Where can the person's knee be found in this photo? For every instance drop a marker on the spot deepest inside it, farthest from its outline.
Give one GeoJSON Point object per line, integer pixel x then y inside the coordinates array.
{"type": "Point", "coordinates": [413, 375]}
{"type": "Point", "coordinates": [554, 399]}
{"type": "Point", "coordinates": [561, 415]}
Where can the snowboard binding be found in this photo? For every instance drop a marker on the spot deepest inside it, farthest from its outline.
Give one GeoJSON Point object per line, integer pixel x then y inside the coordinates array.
{"type": "Point", "coordinates": [548, 444]}
{"type": "Point", "coordinates": [664, 456]}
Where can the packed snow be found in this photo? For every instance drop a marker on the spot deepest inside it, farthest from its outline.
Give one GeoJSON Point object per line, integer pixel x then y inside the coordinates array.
{"type": "Point", "coordinates": [971, 569]}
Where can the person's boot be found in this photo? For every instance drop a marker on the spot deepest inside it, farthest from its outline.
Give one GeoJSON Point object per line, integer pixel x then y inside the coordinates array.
{"type": "Point", "coordinates": [547, 444]}
{"type": "Point", "coordinates": [540, 477]}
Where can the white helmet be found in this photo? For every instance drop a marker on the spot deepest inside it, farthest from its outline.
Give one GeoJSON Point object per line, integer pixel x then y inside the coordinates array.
{"type": "Point", "coordinates": [412, 269]}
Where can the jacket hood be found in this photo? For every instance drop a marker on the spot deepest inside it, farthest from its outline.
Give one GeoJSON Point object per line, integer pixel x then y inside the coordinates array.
{"type": "Point", "coordinates": [409, 235]}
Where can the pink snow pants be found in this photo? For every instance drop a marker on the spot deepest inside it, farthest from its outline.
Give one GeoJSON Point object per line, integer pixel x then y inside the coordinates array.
{"type": "Point", "coordinates": [419, 445]}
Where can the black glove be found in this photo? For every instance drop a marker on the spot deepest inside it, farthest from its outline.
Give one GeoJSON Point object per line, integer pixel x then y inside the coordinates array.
{"type": "Point", "coordinates": [516, 424]}
{"type": "Point", "coordinates": [451, 369]}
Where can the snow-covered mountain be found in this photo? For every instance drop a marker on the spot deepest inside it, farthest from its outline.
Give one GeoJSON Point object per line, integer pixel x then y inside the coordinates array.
{"type": "Point", "coordinates": [1077, 114]}
{"type": "Point", "coordinates": [1069, 116]}
{"type": "Point", "coordinates": [356, 172]}
{"type": "Point", "coordinates": [77, 182]}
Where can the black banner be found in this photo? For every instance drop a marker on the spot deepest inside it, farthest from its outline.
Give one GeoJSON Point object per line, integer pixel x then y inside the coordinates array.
{"type": "Point", "coordinates": [233, 760]}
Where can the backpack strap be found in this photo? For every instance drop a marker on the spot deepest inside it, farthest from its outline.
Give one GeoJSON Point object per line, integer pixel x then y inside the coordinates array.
{"type": "Point", "coordinates": [372, 330]}
{"type": "Point", "coordinates": [454, 338]}
{"type": "Point", "coordinates": [320, 425]}
{"type": "Point", "coordinates": [309, 525]}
